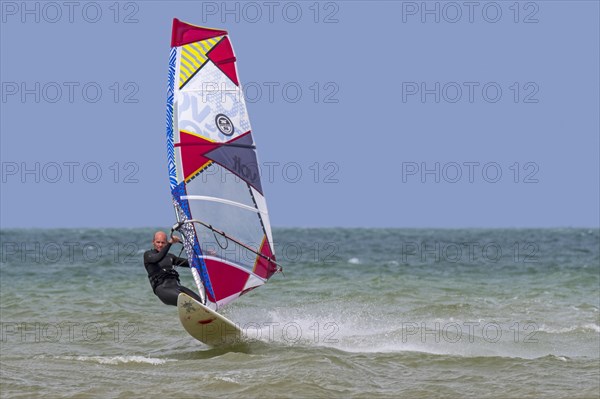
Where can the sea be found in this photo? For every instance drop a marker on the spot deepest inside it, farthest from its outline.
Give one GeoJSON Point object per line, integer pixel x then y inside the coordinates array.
{"type": "Point", "coordinates": [357, 313]}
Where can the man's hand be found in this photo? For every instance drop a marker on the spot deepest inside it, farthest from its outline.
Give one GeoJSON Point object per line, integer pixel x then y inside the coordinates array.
{"type": "Point", "coordinates": [174, 239]}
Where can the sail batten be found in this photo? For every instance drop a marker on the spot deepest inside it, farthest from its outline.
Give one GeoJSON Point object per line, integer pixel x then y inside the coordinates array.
{"type": "Point", "coordinates": [213, 167]}
{"type": "Point", "coordinates": [223, 201]}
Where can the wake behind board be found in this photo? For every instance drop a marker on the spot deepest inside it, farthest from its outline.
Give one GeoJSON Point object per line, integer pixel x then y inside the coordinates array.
{"type": "Point", "coordinates": [206, 325]}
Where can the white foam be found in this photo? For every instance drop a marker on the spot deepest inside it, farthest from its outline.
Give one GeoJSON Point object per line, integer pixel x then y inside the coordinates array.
{"type": "Point", "coordinates": [354, 261]}
{"type": "Point", "coordinates": [551, 330]}
{"type": "Point", "coordinates": [591, 326]}
{"type": "Point", "coordinates": [358, 331]}
{"type": "Point", "coordinates": [227, 379]}
{"type": "Point", "coordinates": [117, 359]}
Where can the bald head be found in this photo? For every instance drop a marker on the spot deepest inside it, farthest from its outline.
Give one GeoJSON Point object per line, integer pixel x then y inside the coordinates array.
{"type": "Point", "coordinates": [160, 240]}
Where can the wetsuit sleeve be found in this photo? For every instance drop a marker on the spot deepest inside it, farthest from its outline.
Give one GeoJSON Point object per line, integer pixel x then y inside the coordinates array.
{"type": "Point", "coordinates": [157, 257]}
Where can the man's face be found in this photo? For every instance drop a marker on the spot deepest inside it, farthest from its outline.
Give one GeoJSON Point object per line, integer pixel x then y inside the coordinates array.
{"type": "Point", "coordinates": [160, 240]}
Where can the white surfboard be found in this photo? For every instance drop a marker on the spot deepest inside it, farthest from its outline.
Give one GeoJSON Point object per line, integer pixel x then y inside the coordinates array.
{"type": "Point", "coordinates": [205, 324]}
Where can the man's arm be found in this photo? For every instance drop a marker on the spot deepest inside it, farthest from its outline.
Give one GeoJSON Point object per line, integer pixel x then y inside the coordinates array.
{"type": "Point", "coordinates": [150, 257]}
{"type": "Point", "coordinates": [177, 261]}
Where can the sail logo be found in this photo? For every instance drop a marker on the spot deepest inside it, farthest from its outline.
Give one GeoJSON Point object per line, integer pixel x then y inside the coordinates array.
{"type": "Point", "coordinates": [224, 124]}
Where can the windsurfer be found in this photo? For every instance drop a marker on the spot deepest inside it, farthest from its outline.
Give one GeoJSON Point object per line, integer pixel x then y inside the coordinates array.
{"type": "Point", "coordinates": [163, 277]}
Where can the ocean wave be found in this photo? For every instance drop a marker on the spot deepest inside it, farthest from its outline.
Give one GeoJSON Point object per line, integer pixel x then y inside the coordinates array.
{"type": "Point", "coordinates": [577, 328]}
{"type": "Point", "coordinates": [117, 359]}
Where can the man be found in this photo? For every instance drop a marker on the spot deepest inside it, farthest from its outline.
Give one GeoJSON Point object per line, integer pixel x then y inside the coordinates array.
{"type": "Point", "coordinates": [161, 273]}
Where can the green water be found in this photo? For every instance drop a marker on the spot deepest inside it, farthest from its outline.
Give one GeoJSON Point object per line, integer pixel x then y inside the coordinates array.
{"type": "Point", "coordinates": [358, 313]}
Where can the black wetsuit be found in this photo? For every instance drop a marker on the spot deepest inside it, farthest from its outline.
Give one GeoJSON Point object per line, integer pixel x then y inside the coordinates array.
{"type": "Point", "coordinates": [163, 277]}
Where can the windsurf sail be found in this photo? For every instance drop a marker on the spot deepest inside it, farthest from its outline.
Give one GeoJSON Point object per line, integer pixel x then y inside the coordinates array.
{"type": "Point", "coordinates": [214, 173]}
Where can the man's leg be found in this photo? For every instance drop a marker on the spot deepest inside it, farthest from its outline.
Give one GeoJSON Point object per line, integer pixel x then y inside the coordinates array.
{"type": "Point", "coordinates": [191, 293]}
{"type": "Point", "coordinates": [168, 292]}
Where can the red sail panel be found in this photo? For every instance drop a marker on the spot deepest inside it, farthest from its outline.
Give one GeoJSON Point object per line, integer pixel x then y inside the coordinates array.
{"type": "Point", "coordinates": [187, 33]}
{"type": "Point", "coordinates": [263, 267]}
{"type": "Point", "coordinates": [227, 280]}
{"type": "Point", "coordinates": [223, 57]}
{"type": "Point", "coordinates": [193, 149]}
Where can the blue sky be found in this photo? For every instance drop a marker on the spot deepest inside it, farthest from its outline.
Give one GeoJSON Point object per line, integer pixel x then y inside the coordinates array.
{"type": "Point", "coordinates": [367, 114]}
